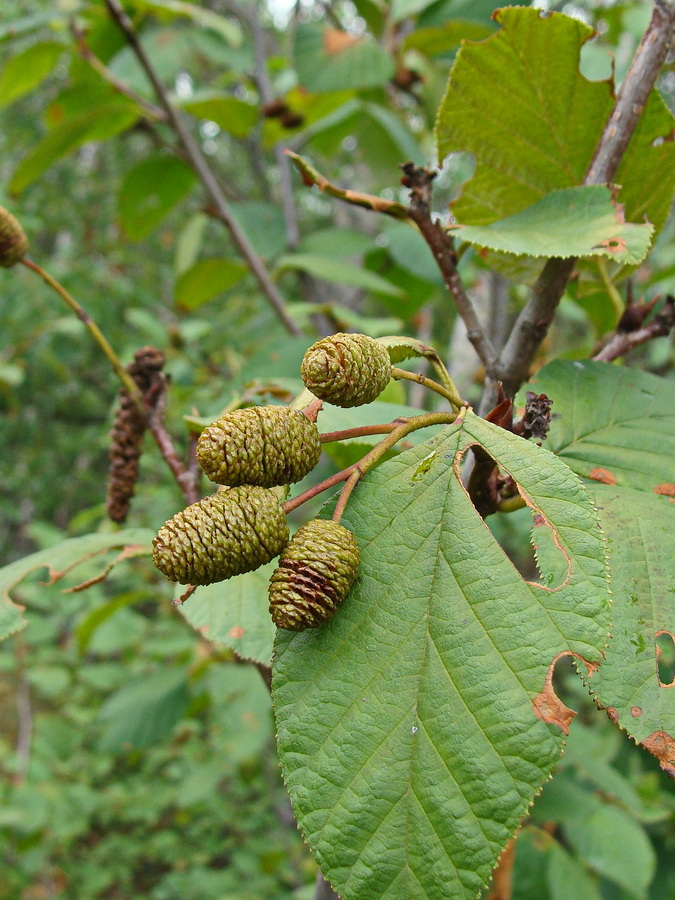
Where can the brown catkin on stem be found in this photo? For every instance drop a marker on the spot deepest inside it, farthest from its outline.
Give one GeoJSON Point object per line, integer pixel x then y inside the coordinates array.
{"type": "Point", "coordinates": [128, 430]}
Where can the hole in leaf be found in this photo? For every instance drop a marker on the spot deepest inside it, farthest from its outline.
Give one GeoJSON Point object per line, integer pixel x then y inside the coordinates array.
{"type": "Point", "coordinates": [523, 534]}
{"type": "Point", "coordinates": [665, 658]}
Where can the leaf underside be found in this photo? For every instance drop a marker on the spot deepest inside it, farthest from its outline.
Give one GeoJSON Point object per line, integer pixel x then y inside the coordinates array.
{"type": "Point", "coordinates": [408, 726]}
{"type": "Point", "coordinates": [616, 428]}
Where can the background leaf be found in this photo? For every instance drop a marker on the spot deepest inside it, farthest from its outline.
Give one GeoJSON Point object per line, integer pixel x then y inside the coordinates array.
{"type": "Point", "coordinates": [339, 271]}
{"type": "Point", "coordinates": [149, 192]}
{"type": "Point", "coordinates": [58, 559]}
{"type": "Point", "coordinates": [328, 59]}
{"type": "Point", "coordinates": [26, 70]}
{"type": "Point", "coordinates": [206, 279]}
{"type": "Point", "coordinates": [406, 725]}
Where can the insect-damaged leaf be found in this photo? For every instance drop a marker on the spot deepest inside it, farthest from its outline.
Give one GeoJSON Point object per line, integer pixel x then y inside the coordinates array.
{"type": "Point", "coordinates": [616, 427]}
{"type": "Point", "coordinates": [416, 726]}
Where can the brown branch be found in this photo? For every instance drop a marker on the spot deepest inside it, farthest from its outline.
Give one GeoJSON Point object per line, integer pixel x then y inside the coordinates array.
{"type": "Point", "coordinates": [187, 477]}
{"type": "Point", "coordinates": [535, 318]}
{"type": "Point", "coordinates": [621, 342]}
{"type": "Point", "coordinates": [204, 173]}
{"type": "Point", "coordinates": [442, 247]}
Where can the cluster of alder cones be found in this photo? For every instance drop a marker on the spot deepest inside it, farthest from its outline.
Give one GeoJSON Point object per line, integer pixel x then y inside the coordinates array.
{"type": "Point", "coordinates": [251, 451]}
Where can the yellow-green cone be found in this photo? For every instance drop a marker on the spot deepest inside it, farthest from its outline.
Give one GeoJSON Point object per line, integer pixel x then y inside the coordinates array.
{"type": "Point", "coordinates": [226, 534]}
{"type": "Point", "coordinates": [346, 369]}
{"type": "Point", "coordinates": [316, 572]}
{"type": "Point", "coordinates": [263, 445]}
{"type": "Point", "coordinates": [13, 241]}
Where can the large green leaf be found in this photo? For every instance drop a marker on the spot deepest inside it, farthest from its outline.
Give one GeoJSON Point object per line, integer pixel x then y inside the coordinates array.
{"type": "Point", "coordinates": [576, 221]}
{"type": "Point", "coordinates": [59, 560]}
{"type": "Point", "coordinates": [26, 70]}
{"type": "Point", "coordinates": [149, 191]}
{"type": "Point", "coordinates": [616, 427]}
{"type": "Point", "coordinates": [417, 725]}
{"type": "Point", "coordinates": [96, 124]}
{"type": "Point", "coordinates": [235, 613]}
{"type": "Point", "coordinates": [331, 60]}
{"type": "Point", "coordinates": [533, 122]}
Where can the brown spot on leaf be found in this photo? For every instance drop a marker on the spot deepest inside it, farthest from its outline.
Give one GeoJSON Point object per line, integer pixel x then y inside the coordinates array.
{"type": "Point", "coordinates": [636, 712]}
{"type": "Point", "coordinates": [335, 41]}
{"type": "Point", "coordinates": [613, 714]}
{"type": "Point", "coordinates": [237, 632]}
{"type": "Point", "coordinates": [603, 475]}
{"type": "Point", "coordinates": [667, 489]}
{"type": "Point", "coordinates": [614, 245]}
{"type": "Point", "coordinates": [662, 745]}
{"type": "Point", "coordinates": [548, 706]}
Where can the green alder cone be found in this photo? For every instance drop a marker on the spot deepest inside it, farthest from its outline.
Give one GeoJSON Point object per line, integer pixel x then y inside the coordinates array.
{"type": "Point", "coordinates": [263, 445]}
{"type": "Point", "coordinates": [346, 369]}
{"type": "Point", "coordinates": [13, 241]}
{"type": "Point", "coordinates": [316, 572]}
{"type": "Point", "coordinates": [226, 534]}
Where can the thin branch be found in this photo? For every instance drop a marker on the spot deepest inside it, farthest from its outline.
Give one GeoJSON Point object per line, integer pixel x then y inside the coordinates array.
{"type": "Point", "coordinates": [442, 247]}
{"type": "Point", "coordinates": [203, 171]}
{"type": "Point", "coordinates": [662, 323]}
{"type": "Point", "coordinates": [534, 320]}
{"type": "Point", "coordinates": [127, 381]}
{"type": "Point", "coordinates": [186, 477]}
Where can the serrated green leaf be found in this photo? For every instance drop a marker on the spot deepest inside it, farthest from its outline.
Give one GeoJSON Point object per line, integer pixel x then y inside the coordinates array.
{"type": "Point", "coordinates": [330, 269]}
{"type": "Point", "coordinates": [406, 724]}
{"type": "Point", "coordinates": [206, 279]}
{"type": "Point", "coordinates": [144, 712]}
{"type": "Point", "coordinates": [576, 221]}
{"type": "Point", "coordinates": [58, 560]}
{"type": "Point", "coordinates": [533, 122]}
{"type": "Point", "coordinates": [235, 613]}
{"type": "Point", "coordinates": [226, 28]}
{"type": "Point", "coordinates": [616, 427]}
{"type": "Point", "coordinates": [401, 348]}
{"type": "Point", "coordinates": [232, 115]}
{"type": "Point", "coordinates": [149, 191]}
{"type": "Point", "coordinates": [26, 70]}
{"type": "Point", "coordinates": [96, 124]}
{"type": "Point", "coordinates": [328, 59]}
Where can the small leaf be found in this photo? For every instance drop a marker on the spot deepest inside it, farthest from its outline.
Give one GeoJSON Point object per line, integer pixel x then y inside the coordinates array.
{"type": "Point", "coordinates": [418, 718]}
{"type": "Point", "coordinates": [206, 279]}
{"type": "Point", "coordinates": [59, 560]}
{"type": "Point", "coordinates": [235, 613]}
{"type": "Point", "coordinates": [330, 269]}
{"type": "Point", "coordinates": [401, 348]}
{"type": "Point", "coordinates": [149, 191]}
{"type": "Point", "coordinates": [576, 221]}
{"type": "Point", "coordinates": [96, 124]}
{"type": "Point", "coordinates": [328, 59]}
{"type": "Point", "coordinates": [225, 27]}
{"type": "Point", "coordinates": [144, 712]}
{"type": "Point", "coordinates": [26, 70]}
{"type": "Point", "coordinates": [231, 115]}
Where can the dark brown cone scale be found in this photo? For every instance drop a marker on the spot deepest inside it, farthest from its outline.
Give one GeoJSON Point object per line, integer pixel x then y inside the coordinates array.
{"type": "Point", "coordinates": [263, 445]}
{"type": "Point", "coordinates": [316, 572]}
{"type": "Point", "coordinates": [126, 437]}
{"type": "Point", "coordinates": [226, 534]}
